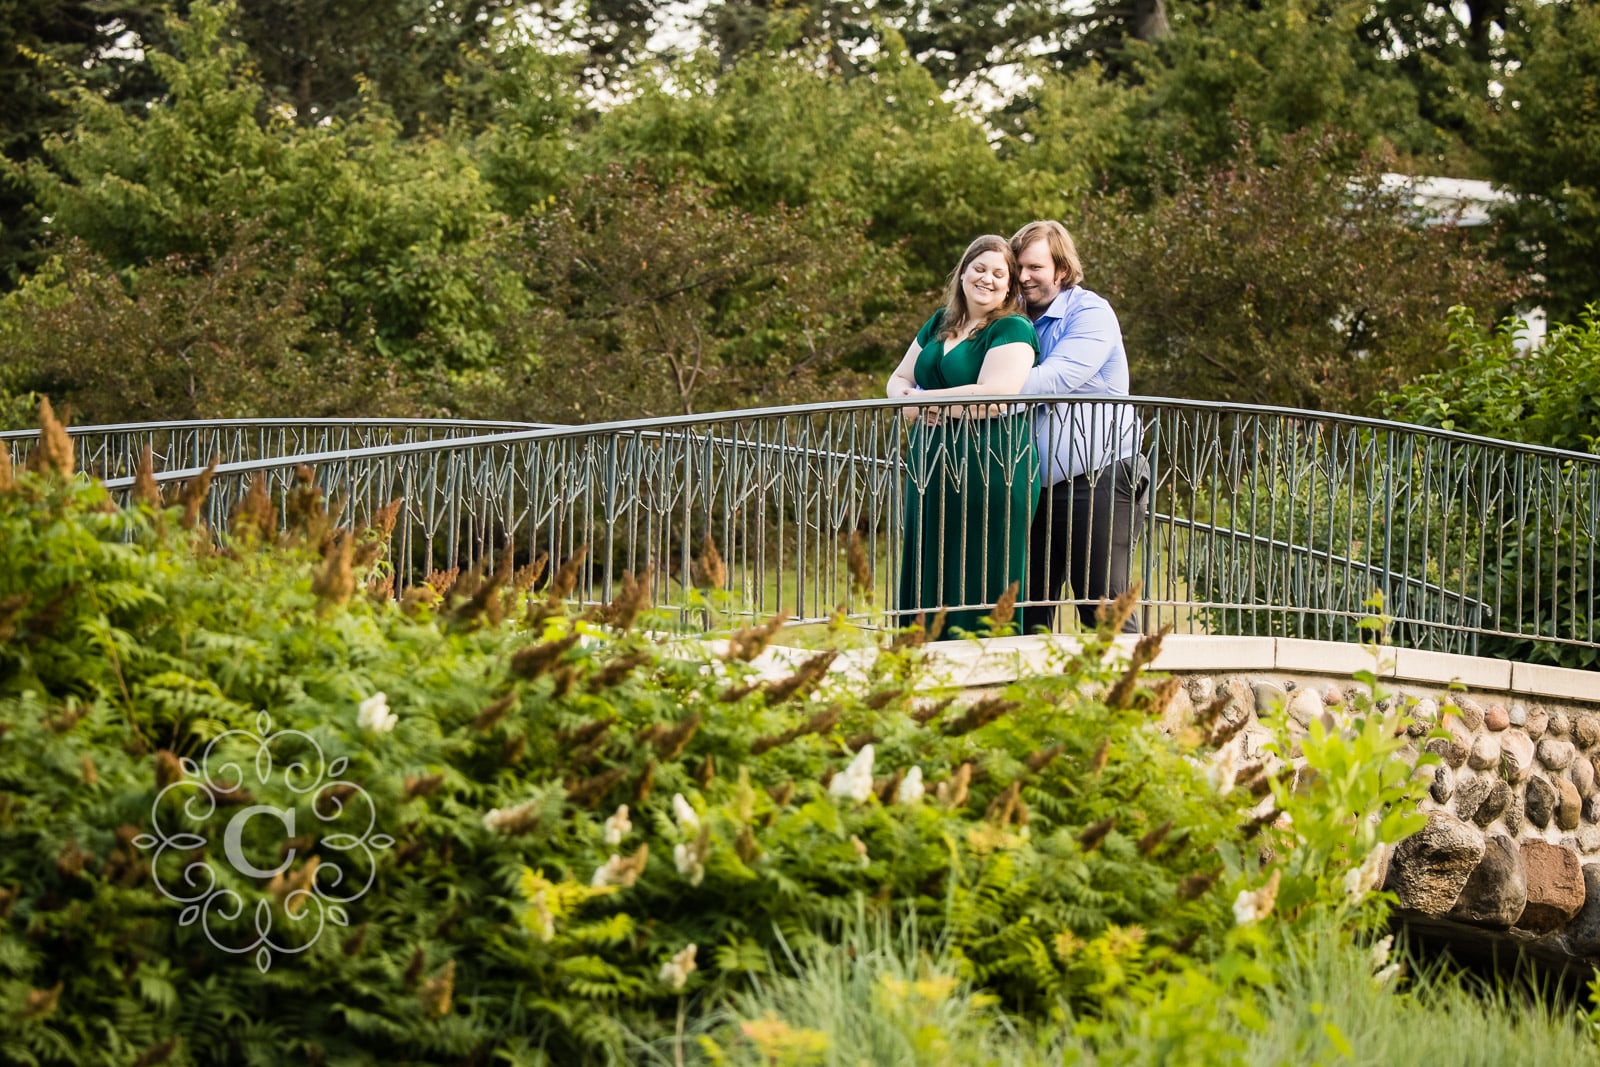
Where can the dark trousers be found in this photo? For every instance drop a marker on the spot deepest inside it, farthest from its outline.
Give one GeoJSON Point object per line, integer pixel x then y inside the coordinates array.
{"type": "Point", "coordinates": [1085, 529]}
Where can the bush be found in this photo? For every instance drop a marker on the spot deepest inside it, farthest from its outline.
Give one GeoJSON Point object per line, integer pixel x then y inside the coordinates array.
{"type": "Point", "coordinates": [1302, 282]}
{"type": "Point", "coordinates": [467, 756]}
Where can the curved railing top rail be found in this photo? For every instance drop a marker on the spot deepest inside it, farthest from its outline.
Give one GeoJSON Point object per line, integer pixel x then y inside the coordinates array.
{"type": "Point", "coordinates": [275, 423]}
{"type": "Point", "coordinates": [1262, 519]}
{"type": "Point", "coordinates": [536, 432]}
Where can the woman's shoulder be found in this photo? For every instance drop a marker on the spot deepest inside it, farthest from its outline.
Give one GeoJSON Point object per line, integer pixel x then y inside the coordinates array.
{"type": "Point", "coordinates": [1010, 329]}
{"type": "Point", "coordinates": [930, 329]}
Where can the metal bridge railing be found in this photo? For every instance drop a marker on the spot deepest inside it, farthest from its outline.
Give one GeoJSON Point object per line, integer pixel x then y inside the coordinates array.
{"type": "Point", "coordinates": [1259, 520]}
{"type": "Point", "coordinates": [114, 451]}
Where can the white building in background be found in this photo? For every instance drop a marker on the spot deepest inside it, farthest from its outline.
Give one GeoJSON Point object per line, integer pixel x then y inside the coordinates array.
{"type": "Point", "coordinates": [1462, 202]}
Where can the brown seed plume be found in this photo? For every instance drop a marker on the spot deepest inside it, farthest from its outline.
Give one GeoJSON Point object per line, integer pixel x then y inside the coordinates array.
{"type": "Point", "coordinates": [1004, 805]}
{"type": "Point", "coordinates": [42, 1002]}
{"type": "Point", "coordinates": [1038, 761]}
{"type": "Point", "coordinates": [168, 768]}
{"type": "Point", "coordinates": [803, 680]}
{"type": "Point", "coordinates": [634, 599]}
{"type": "Point", "coordinates": [8, 479]}
{"type": "Point", "coordinates": [709, 571]}
{"type": "Point", "coordinates": [1144, 653]}
{"type": "Point", "coordinates": [54, 453]}
{"type": "Point", "coordinates": [708, 772]}
{"type": "Point", "coordinates": [1161, 697]}
{"type": "Point", "coordinates": [334, 580]}
{"type": "Point", "coordinates": [1096, 832]}
{"type": "Point", "coordinates": [613, 673]}
{"type": "Point", "coordinates": [194, 494]}
{"type": "Point", "coordinates": [1152, 840]}
{"type": "Point", "coordinates": [1006, 609]}
{"type": "Point", "coordinates": [285, 887]}
{"type": "Point", "coordinates": [566, 578]}
{"type": "Point", "coordinates": [382, 525]}
{"type": "Point", "coordinates": [423, 785]}
{"type": "Point", "coordinates": [1102, 753]}
{"type": "Point", "coordinates": [979, 715]}
{"type": "Point", "coordinates": [781, 795]}
{"type": "Point", "coordinates": [1225, 731]}
{"type": "Point", "coordinates": [436, 993]}
{"type": "Point", "coordinates": [528, 576]}
{"type": "Point", "coordinates": [647, 781]}
{"type": "Point", "coordinates": [254, 518]}
{"type": "Point", "coordinates": [860, 567]}
{"type": "Point", "coordinates": [820, 722]}
{"type": "Point", "coordinates": [671, 743]}
{"type": "Point", "coordinates": [745, 645]}
{"type": "Point", "coordinates": [594, 789]}
{"type": "Point", "coordinates": [952, 792]}
{"type": "Point", "coordinates": [535, 660]}
{"type": "Point", "coordinates": [929, 712]}
{"type": "Point", "coordinates": [1110, 616]}
{"type": "Point", "coordinates": [1197, 885]}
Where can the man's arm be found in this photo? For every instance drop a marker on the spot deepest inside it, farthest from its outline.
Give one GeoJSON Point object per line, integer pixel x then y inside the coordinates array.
{"type": "Point", "coordinates": [1078, 354]}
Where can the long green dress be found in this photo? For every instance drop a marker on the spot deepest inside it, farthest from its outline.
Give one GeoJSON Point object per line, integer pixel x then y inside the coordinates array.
{"type": "Point", "coordinates": [971, 489]}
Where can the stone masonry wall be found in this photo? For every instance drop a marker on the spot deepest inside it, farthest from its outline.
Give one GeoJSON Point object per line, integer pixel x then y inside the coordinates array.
{"type": "Point", "coordinates": [1511, 850]}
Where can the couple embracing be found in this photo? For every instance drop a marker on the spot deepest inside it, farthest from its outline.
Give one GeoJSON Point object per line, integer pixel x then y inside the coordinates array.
{"type": "Point", "coordinates": [1038, 494]}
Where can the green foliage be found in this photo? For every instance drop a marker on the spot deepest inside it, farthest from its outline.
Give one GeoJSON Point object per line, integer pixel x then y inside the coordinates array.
{"type": "Point", "coordinates": [735, 309]}
{"type": "Point", "coordinates": [391, 231]}
{"type": "Point", "coordinates": [1300, 283]}
{"type": "Point", "coordinates": [1548, 396]}
{"type": "Point", "coordinates": [785, 129]}
{"type": "Point", "coordinates": [1541, 136]}
{"type": "Point", "coordinates": [177, 342]}
{"type": "Point", "coordinates": [518, 910]}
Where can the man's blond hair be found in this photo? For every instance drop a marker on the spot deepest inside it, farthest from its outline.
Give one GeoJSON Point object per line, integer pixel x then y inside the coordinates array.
{"type": "Point", "coordinates": [1069, 268]}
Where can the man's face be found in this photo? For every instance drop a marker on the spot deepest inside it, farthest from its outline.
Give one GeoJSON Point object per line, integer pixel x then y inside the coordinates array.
{"type": "Point", "coordinates": [1041, 282]}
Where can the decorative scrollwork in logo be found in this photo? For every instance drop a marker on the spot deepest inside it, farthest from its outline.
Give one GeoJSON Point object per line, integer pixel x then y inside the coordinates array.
{"type": "Point", "coordinates": [311, 897]}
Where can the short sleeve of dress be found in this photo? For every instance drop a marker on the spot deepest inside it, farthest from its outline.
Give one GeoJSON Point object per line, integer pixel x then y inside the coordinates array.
{"type": "Point", "coordinates": [929, 329]}
{"type": "Point", "coordinates": [1013, 329]}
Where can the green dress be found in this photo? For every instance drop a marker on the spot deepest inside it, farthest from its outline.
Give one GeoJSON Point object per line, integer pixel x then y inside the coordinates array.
{"type": "Point", "coordinates": [971, 489]}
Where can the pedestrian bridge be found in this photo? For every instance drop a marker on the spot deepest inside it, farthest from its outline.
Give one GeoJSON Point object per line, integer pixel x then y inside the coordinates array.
{"type": "Point", "coordinates": [1262, 521]}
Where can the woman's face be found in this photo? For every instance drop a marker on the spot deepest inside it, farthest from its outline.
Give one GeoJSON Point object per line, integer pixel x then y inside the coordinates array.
{"type": "Point", "coordinates": [986, 281]}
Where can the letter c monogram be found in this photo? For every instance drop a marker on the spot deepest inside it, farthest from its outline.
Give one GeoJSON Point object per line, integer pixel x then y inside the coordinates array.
{"type": "Point", "coordinates": [235, 853]}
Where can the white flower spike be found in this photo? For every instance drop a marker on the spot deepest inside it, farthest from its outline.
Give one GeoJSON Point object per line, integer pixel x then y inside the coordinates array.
{"type": "Point", "coordinates": [617, 826]}
{"type": "Point", "coordinates": [675, 972]}
{"type": "Point", "coordinates": [683, 811]}
{"type": "Point", "coordinates": [373, 714]}
{"type": "Point", "coordinates": [911, 788]}
{"type": "Point", "coordinates": [855, 781]}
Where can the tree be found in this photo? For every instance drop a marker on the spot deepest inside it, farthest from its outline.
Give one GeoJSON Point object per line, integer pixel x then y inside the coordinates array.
{"type": "Point", "coordinates": [654, 300]}
{"type": "Point", "coordinates": [232, 340]}
{"type": "Point", "coordinates": [1542, 139]}
{"type": "Point", "coordinates": [395, 230]}
{"type": "Point", "coordinates": [1301, 283]}
{"type": "Point", "coordinates": [47, 47]}
{"type": "Point", "coordinates": [882, 151]}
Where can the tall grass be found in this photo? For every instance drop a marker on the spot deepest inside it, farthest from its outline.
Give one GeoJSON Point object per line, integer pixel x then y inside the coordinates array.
{"type": "Point", "coordinates": [882, 998]}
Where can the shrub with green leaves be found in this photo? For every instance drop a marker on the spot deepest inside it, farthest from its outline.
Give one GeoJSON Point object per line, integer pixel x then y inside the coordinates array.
{"type": "Point", "coordinates": [574, 828]}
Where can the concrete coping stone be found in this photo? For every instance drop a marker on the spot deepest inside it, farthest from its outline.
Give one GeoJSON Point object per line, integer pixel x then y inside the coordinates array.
{"type": "Point", "coordinates": [996, 660]}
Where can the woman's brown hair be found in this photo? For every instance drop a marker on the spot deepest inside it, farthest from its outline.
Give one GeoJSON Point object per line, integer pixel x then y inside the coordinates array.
{"type": "Point", "coordinates": [955, 312]}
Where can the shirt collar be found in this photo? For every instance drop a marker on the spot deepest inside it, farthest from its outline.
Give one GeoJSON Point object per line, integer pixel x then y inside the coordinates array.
{"type": "Point", "coordinates": [1058, 306]}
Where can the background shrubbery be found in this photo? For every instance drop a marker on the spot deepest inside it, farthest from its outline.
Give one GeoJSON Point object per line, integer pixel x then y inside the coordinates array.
{"type": "Point", "coordinates": [442, 208]}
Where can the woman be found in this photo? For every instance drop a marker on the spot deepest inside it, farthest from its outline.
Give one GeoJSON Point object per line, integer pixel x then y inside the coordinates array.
{"type": "Point", "coordinates": [974, 472]}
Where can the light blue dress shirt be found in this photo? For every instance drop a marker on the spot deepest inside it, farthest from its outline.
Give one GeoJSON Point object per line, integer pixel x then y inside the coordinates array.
{"type": "Point", "coordinates": [1081, 354]}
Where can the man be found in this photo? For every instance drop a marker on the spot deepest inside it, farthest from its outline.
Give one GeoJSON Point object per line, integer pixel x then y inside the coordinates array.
{"type": "Point", "coordinates": [1095, 480]}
